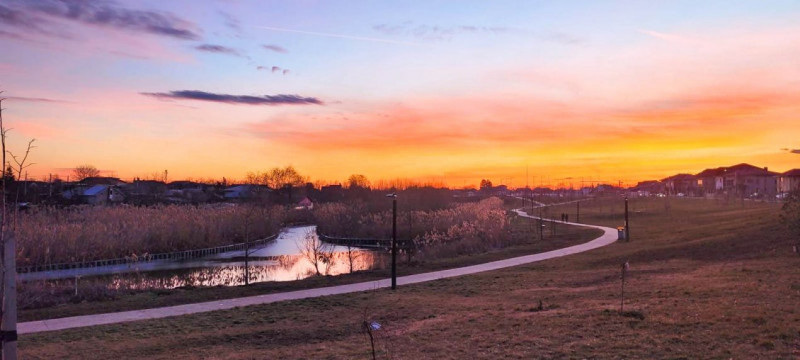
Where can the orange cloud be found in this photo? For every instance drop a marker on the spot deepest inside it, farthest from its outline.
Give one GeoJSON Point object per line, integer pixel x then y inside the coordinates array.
{"type": "Point", "coordinates": [459, 138]}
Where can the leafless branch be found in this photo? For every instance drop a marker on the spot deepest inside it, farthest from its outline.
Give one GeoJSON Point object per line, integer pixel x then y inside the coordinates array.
{"type": "Point", "coordinates": [21, 164]}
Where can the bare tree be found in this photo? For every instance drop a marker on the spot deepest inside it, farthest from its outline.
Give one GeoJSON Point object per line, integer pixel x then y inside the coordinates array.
{"type": "Point", "coordinates": [21, 165]}
{"type": "Point", "coordinates": [277, 178]}
{"type": "Point", "coordinates": [316, 251]}
{"type": "Point", "coordinates": [352, 254]}
{"type": "Point", "coordinates": [358, 181]}
{"type": "Point", "coordinates": [283, 179]}
{"type": "Point", "coordinates": [85, 171]}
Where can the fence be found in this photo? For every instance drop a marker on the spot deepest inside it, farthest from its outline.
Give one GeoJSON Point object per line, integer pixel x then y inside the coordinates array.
{"type": "Point", "coordinates": [172, 256]}
{"type": "Point", "coordinates": [383, 244]}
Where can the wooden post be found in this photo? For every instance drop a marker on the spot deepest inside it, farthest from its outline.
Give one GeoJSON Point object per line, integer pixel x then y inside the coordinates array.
{"type": "Point", "coordinates": [622, 298]}
{"type": "Point", "coordinates": [8, 326]}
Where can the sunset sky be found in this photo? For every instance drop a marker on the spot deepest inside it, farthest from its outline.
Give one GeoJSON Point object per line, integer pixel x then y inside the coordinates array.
{"type": "Point", "coordinates": [429, 90]}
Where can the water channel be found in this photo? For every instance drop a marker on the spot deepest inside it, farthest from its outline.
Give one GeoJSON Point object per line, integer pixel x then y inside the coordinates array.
{"type": "Point", "coordinates": [284, 259]}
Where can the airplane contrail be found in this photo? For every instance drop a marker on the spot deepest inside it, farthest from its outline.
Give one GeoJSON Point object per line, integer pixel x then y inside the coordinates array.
{"type": "Point", "coordinates": [341, 36]}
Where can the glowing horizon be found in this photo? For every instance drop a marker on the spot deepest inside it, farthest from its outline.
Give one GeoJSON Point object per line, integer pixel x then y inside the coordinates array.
{"type": "Point", "coordinates": [608, 91]}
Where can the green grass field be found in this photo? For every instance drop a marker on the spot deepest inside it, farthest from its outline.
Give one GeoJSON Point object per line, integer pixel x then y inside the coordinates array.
{"type": "Point", "coordinates": [706, 280]}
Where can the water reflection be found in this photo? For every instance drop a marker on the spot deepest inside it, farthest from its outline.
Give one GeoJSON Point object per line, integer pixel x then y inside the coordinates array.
{"type": "Point", "coordinates": [285, 259]}
{"type": "Point", "coordinates": [285, 268]}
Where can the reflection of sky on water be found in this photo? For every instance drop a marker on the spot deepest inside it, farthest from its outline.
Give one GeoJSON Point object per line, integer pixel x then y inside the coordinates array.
{"type": "Point", "coordinates": [286, 264]}
{"type": "Point", "coordinates": [286, 268]}
{"type": "Point", "coordinates": [289, 242]}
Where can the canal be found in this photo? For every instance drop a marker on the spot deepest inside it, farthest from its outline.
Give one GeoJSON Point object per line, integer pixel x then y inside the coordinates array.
{"type": "Point", "coordinates": [291, 256]}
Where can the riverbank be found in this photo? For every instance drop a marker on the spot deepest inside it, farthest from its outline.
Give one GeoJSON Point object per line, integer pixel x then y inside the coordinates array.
{"type": "Point", "coordinates": [521, 229]}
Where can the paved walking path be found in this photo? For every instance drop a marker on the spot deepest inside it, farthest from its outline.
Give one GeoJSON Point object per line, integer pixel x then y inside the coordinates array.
{"type": "Point", "coordinates": [609, 236]}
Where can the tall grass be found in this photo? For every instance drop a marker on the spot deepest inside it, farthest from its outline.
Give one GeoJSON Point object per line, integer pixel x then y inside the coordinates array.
{"type": "Point", "coordinates": [461, 228]}
{"type": "Point", "coordinates": [86, 233]}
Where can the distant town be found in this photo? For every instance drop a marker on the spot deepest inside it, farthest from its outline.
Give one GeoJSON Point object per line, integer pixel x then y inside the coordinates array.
{"type": "Point", "coordinates": [737, 181]}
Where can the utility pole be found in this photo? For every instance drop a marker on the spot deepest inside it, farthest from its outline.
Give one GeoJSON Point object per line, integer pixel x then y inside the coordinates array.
{"type": "Point", "coordinates": [627, 225]}
{"type": "Point", "coordinates": [394, 239]}
{"type": "Point", "coordinates": [578, 213]}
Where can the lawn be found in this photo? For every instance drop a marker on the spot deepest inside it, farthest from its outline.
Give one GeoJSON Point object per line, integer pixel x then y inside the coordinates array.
{"type": "Point", "coordinates": [707, 280]}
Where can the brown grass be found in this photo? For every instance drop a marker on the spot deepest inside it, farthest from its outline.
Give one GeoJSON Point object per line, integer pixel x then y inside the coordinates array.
{"type": "Point", "coordinates": [58, 300]}
{"type": "Point", "coordinates": [83, 233]}
{"type": "Point", "coordinates": [710, 280]}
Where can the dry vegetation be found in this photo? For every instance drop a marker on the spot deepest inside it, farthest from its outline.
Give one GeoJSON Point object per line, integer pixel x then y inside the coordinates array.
{"type": "Point", "coordinates": [466, 228]}
{"type": "Point", "coordinates": [707, 280]}
{"type": "Point", "coordinates": [57, 298]}
{"type": "Point", "coordinates": [52, 235]}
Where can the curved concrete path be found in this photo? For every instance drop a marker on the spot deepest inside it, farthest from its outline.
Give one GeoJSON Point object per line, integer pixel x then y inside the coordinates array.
{"type": "Point", "coordinates": [609, 236]}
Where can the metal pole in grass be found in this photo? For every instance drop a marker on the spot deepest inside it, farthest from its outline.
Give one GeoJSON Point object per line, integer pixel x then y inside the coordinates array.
{"type": "Point", "coordinates": [627, 225]}
{"type": "Point", "coordinates": [541, 225]}
{"type": "Point", "coordinates": [622, 298]}
{"type": "Point", "coordinates": [394, 239]}
{"type": "Point", "coordinates": [246, 262]}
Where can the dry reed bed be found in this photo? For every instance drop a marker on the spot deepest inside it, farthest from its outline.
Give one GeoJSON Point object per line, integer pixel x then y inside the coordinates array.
{"type": "Point", "coordinates": [86, 233]}
{"type": "Point", "coordinates": [461, 228]}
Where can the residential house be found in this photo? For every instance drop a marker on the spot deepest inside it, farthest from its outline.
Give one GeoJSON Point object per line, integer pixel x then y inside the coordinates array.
{"type": "Point", "coordinates": [681, 184]}
{"type": "Point", "coordinates": [647, 188]}
{"type": "Point", "coordinates": [246, 192]}
{"type": "Point", "coordinates": [188, 192]}
{"type": "Point", "coordinates": [305, 204]}
{"type": "Point", "coordinates": [605, 189]}
{"type": "Point", "coordinates": [145, 191]}
{"type": "Point", "coordinates": [748, 180]}
{"type": "Point", "coordinates": [183, 185]}
{"type": "Point", "coordinates": [29, 191]}
{"type": "Point", "coordinates": [101, 180]}
{"type": "Point", "coordinates": [101, 194]}
{"type": "Point", "coordinates": [711, 181]}
{"type": "Point", "coordinates": [789, 181]}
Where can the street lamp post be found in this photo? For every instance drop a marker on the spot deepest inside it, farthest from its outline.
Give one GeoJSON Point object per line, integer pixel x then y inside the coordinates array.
{"type": "Point", "coordinates": [394, 239]}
